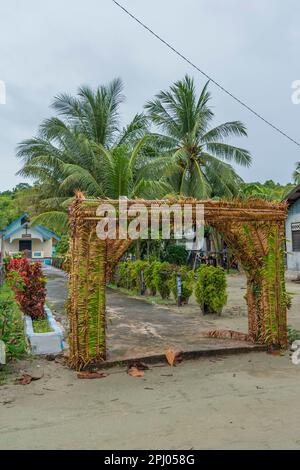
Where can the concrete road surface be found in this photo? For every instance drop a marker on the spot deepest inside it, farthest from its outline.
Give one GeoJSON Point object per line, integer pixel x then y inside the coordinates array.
{"type": "Point", "coordinates": [249, 401]}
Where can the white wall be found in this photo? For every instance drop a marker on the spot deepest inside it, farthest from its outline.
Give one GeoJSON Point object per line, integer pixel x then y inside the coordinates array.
{"type": "Point", "coordinates": [18, 234]}
{"type": "Point", "coordinates": [45, 247]}
{"type": "Point", "coordinates": [37, 245]}
{"type": "Point", "coordinates": [293, 258]}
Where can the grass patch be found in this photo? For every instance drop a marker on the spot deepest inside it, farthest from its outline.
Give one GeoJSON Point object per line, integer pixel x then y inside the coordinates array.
{"type": "Point", "coordinates": [41, 326]}
{"type": "Point", "coordinates": [151, 299]}
{"type": "Point", "coordinates": [293, 334]}
{"type": "Point", "coordinates": [231, 271]}
{"type": "Point", "coordinates": [11, 324]}
{"type": "Point", "coordinates": [4, 372]}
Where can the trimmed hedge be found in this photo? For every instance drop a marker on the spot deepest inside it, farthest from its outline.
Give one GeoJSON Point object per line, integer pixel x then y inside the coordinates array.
{"type": "Point", "coordinates": [208, 282]}
{"type": "Point", "coordinates": [134, 270]}
{"type": "Point", "coordinates": [210, 289]}
{"type": "Point", "coordinates": [187, 283]}
{"type": "Point", "coordinates": [149, 277]}
{"type": "Point", "coordinates": [162, 273]}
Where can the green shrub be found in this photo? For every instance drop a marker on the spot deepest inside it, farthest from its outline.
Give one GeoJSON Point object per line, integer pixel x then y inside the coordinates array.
{"type": "Point", "coordinates": [292, 334]}
{"type": "Point", "coordinates": [187, 283]}
{"type": "Point", "coordinates": [175, 254]}
{"type": "Point", "coordinates": [62, 246]}
{"type": "Point", "coordinates": [158, 277]}
{"type": "Point", "coordinates": [149, 276]}
{"type": "Point", "coordinates": [11, 324]}
{"type": "Point", "coordinates": [162, 273]}
{"type": "Point", "coordinates": [28, 283]}
{"type": "Point", "coordinates": [129, 274]}
{"type": "Point", "coordinates": [123, 278]}
{"type": "Point", "coordinates": [210, 289]}
{"type": "Point", "coordinates": [134, 269]}
{"type": "Point", "coordinates": [58, 262]}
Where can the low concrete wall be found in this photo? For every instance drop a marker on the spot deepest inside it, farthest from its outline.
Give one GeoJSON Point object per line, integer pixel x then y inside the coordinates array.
{"type": "Point", "coordinates": [292, 275]}
{"type": "Point", "coordinates": [45, 343]}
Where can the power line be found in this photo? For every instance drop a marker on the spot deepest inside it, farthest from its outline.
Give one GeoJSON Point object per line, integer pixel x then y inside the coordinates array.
{"type": "Point", "coordinates": [205, 74]}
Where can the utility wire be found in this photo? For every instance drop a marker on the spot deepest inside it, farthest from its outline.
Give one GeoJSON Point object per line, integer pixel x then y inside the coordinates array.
{"type": "Point", "coordinates": [242, 103]}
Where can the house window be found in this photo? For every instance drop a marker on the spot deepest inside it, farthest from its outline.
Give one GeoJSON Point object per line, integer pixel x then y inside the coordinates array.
{"type": "Point", "coordinates": [296, 236]}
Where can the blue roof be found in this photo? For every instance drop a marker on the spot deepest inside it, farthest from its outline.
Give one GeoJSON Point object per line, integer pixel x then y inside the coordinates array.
{"type": "Point", "coordinates": [14, 222]}
{"type": "Point", "coordinates": [8, 234]}
{"type": "Point", "coordinates": [46, 233]}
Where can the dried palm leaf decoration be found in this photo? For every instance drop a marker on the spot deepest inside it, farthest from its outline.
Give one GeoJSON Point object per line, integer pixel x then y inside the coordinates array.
{"type": "Point", "coordinates": [254, 230]}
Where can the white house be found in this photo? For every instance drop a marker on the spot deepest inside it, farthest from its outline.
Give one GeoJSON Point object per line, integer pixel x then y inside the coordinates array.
{"type": "Point", "coordinates": [37, 241]}
{"type": "Point", "coordinates": [293, 231]}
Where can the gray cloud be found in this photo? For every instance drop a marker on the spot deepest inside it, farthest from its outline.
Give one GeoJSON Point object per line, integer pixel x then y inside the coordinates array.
{"type": "Point", "coordinates": [252, 48]}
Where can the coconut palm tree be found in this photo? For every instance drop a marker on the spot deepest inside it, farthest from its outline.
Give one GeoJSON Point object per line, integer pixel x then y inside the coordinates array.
{"type": "Point", "coordinates": [202, 157]}
{"type": "Point", "coordinates": [85, 148]}
{"type": "Point", "coordinates": [96, 171]}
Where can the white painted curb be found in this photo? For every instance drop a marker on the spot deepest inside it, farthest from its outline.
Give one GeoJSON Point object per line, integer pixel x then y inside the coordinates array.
{"type": "Point", "coordinates": [45, 343]}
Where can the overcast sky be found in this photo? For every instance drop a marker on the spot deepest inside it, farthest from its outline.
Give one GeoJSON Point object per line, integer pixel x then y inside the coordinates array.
{"type": "Point", "coordinates": [252, 48]}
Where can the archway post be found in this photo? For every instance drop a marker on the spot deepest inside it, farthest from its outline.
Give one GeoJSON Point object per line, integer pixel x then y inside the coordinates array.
{"type": "Point", "coordinates": [253, 229]}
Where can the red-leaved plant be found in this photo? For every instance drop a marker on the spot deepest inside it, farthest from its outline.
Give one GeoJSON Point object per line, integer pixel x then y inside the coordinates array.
{"type": "Point", "coordinates": [28, 283]}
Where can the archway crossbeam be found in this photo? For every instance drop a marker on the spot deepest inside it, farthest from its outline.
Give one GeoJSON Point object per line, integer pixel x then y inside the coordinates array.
{"type": "Point", "coordinates": [254, 229]}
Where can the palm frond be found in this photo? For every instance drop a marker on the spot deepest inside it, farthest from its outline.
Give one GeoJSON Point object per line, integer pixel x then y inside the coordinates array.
{"type": "Point", "coordinates": [230, 153]}
{"type": "Point", "coordinates": [135, 130]}
{"type": "Point", "coordinates": [223, 131]}
{"type": "Point", "coordinates": [56, 221]}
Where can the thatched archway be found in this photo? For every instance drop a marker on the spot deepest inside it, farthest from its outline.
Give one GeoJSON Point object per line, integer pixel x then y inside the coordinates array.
{"type": "Point", "coordinates": [255, 232]}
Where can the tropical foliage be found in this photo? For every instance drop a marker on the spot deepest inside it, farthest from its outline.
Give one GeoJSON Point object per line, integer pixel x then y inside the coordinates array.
{"type": "Point", "coordinates": [84, 147]}
{"type": "Point", "coordinates": [210, 290]}
{"type": "Point", "coordinates": [14, 203]}
{"type": "Point", "coordinates": [134, 274]}
{"type": "Point", "coordinates": [11, 324]}
{"type": "Point", "coordinates": [27, 281]}
{"type": "Point", "coordinates": [149, 277]}
{"type": "Point", "coordinates": [187, 283]}
{"type": "Point", "coordinates": [157, 277]}
{"type": "Point", "coordinates": [175, 254]}
{"type": "Point", "coordinates": [269, 190]}
{"type": "Point", "coordinates": [293, 334]}
{"type": "Point", "coordinates": [162, 273]}
{"type": "Point", "coordinates": [201, 154]}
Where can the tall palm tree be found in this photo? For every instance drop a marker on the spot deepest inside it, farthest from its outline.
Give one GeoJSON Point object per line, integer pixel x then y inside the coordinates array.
{"type": "Point", "coordinates": [201, 154]}
{"type": "Point", "coordinates": [95, 114]}
{"type": "Point", "coordinates": [85, 148]}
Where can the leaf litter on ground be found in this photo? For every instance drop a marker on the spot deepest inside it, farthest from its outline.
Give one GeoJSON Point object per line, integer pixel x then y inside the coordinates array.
{"type": "Point", "coordinates": [137, 369]}
{"type": "Point", "coordinates": [26, 379]}
{"type": "Point", "coordinates": [86, 375]}
{"type": "Point", "coordinates": [173, 356]}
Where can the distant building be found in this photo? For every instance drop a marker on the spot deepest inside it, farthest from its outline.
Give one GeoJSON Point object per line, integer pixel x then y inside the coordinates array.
{"type": "Point", "coordinates": [293, 231]}
{"type": "Point", "coordinates": [36, 241]}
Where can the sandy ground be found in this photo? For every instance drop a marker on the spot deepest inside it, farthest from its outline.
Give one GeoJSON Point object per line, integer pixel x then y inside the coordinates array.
{"type": "Point", "coordinates": [249, 401]}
